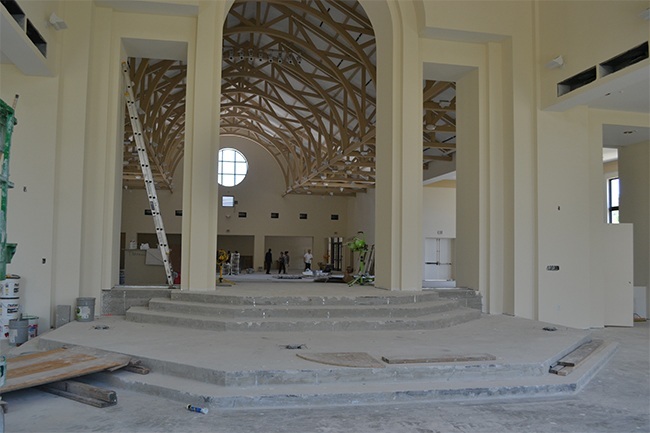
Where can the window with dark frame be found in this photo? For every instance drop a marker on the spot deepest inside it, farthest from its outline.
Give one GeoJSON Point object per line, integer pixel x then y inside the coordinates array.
{"type": "Point", "coordinates": [613, 194]}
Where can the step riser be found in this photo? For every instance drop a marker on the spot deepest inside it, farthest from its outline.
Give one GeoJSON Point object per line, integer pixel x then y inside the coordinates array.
{"type": "Point", "coordinates": [340, 399]}
{"type": "Point", "coordinates": [322, 312]}
{"type": "Point", "coordinates": [302, 301]}
{"type": "Point", "coordinates": [301, 326]}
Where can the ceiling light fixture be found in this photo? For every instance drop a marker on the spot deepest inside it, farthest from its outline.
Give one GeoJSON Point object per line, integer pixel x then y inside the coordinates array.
{"type": "Point", "coordinates": [271, 56]}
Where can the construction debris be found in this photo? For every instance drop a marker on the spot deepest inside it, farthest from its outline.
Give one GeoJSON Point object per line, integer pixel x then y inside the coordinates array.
{"type": "Point", "coordinates": [82, 392]}
{"type": "Point", "coordinates": [137, 367]}
{"type": "Point", "coordinates": [40, 368]}
{"type": "Point", "coordinates": [565, 365]}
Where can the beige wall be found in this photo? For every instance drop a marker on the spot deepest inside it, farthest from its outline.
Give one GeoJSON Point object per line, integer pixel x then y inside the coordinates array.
{"type": "Point", "coordinates": [439, 211]}
{"type": "Point", "coordinates": [634, 174]}
{"type": "Point", "coordinates": [30, 204]}
{"type": "Point", "coordinates": [568, 27]}
{"type": "Point", "coordinates": [261, 193]}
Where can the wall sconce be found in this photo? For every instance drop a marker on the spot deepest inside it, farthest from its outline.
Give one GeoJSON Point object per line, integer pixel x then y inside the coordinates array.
{"type": "Point", "coordinates": [57, 22]}
{"type": "Point", "coordinates": [557, 62]}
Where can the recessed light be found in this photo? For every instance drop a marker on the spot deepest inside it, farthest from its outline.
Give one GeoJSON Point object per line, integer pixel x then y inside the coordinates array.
{"type": "Point", "coordinates": [629, 131]}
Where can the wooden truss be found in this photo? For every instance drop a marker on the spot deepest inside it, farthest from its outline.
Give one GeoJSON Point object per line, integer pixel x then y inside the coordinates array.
{"type": "Point", "coordinates": [298, 78]}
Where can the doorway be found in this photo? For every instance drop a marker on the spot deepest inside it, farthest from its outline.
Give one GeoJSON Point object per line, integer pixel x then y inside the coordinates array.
{"type": "Point", "coordinates": [438, 262]}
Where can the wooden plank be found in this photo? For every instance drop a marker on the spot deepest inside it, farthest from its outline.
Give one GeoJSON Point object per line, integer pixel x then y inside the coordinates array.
{"type": "Point", "coordinates": [137, 367]}
{"type": "Point", "coordinates": [84, 390]}
{"type": "Point", "coordinates": [580, 354]}
{"type": "Point", "coordinates": [565, 371]}
{"type": "Point", "coordinates": [76, 397]}
{"type": "Point", "coordinates": [47, 365]}
{"type": "Point", "coordinates": [40, 368]}
{"type": "Point", "coordinates": [443, 358]}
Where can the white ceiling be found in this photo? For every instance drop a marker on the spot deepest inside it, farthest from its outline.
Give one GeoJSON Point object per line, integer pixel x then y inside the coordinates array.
{"type": "Point", "coordinates": [624, 135]}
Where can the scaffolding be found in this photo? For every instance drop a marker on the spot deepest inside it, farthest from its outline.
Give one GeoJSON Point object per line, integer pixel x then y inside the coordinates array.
{"type": "Point", "coordinates": [7, 122]}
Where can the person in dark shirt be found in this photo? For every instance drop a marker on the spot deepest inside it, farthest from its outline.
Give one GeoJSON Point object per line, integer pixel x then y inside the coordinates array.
{"type": "Point", "coordinates": [268, 261]}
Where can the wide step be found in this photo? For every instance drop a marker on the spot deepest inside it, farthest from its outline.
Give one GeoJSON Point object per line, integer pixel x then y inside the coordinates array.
{"type": "Point", "coordinates": [375, 390]}
{"type": "Point", "coordinates": [326, 311]}
{"type": "Point", "coordinates": [428, 321]}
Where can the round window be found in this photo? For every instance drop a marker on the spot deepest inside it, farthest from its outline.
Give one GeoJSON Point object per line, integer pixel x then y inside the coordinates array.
{"type": "Point", "coordinates": [232, 167]}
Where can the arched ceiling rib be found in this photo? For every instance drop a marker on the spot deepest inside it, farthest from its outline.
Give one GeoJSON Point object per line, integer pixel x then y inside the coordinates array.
{"type": "Point", "coordinates": [298, 78]}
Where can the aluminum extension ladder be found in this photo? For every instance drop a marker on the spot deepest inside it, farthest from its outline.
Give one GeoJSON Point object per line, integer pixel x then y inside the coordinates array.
{"type": "Point", "coordinates": [146, 173]}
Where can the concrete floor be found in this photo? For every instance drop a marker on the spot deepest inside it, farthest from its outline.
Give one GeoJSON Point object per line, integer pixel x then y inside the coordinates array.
{"type": "Point", "coordinates": [616, 400]}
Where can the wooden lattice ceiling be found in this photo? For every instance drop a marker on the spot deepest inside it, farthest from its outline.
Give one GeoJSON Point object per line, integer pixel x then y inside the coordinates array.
{"type": "Point", "coordinates": [298, 78]}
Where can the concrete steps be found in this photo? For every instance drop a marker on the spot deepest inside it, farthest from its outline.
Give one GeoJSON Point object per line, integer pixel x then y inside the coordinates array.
{"type": "Point", "coordinates": [302, 322]}
{"type": "Point", "coordinates": [220, 312]}
{"type": "Point", "coordinates": [301, 311]}
{"type": "Point", "coordinates": [263, 369]}
{"type": "Point", "coordinates": [354, 386]}
{"type": "Point", "coordinates": [213, 297]}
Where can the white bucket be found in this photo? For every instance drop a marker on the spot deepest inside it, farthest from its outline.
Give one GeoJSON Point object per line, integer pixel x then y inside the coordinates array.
{"type": "Point", "coordinates": [10, 308]}
{"type": "Point", "coordinates": [10, 288]}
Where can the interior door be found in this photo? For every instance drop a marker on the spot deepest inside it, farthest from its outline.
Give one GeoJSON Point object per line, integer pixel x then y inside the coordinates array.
{"type": "Point", "coordinates": [438, 253]}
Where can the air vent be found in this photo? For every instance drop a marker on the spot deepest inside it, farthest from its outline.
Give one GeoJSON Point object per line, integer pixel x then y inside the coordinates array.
{"type": "Point", "coordinates": [334, 217]}
{"type": "Point", "coordinates": [275, 215]}
{"type": "Point", "coordinates": [303, 216]}
{"type": "Point", "coordinates": [622, 61]}
{"type": "Point", "coordinates": [577, 81]}
{"type": "Point", "coordinates": [36, 38]}
{"type": "Point", "coordinates": [242, 214]}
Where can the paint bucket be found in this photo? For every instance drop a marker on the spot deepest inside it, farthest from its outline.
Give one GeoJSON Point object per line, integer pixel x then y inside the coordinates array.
{"type": "Point", "coordinates": [85, 309]}
{"type": "Point", "coordinates": [17, 331]}
{"type": "Point", "coordinates": [10, 288]}
{"type": "Point", "coordinates": [32, 326]}
{"type": "Point", "coordinates": [10, 310]}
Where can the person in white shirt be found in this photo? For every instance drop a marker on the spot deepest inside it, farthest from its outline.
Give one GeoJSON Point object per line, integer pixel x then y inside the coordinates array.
{"type": "Point", "coordinates": [308, 257]}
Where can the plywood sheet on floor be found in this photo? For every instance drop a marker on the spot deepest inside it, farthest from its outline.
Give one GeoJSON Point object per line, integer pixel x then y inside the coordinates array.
{"type": "Point", "coordinates": [473, 357]}
{"type": "Point", "coordinates": [26, 371]}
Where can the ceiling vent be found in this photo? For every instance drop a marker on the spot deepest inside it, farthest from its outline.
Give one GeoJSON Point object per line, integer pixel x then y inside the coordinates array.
{"type": "Point", "coordinates": [577, 81]}
{"type": "Point", "coordinates": [622, 61]}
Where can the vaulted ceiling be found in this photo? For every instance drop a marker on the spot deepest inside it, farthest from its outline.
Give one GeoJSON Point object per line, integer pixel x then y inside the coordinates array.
{"type": "Point", "coordinates": [298, 78]}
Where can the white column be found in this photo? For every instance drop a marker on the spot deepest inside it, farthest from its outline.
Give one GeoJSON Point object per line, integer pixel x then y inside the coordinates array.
{"type": "Point", "coordinates": [200, 195]}
{"type": "Point", "coordinates": [398, 209]}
